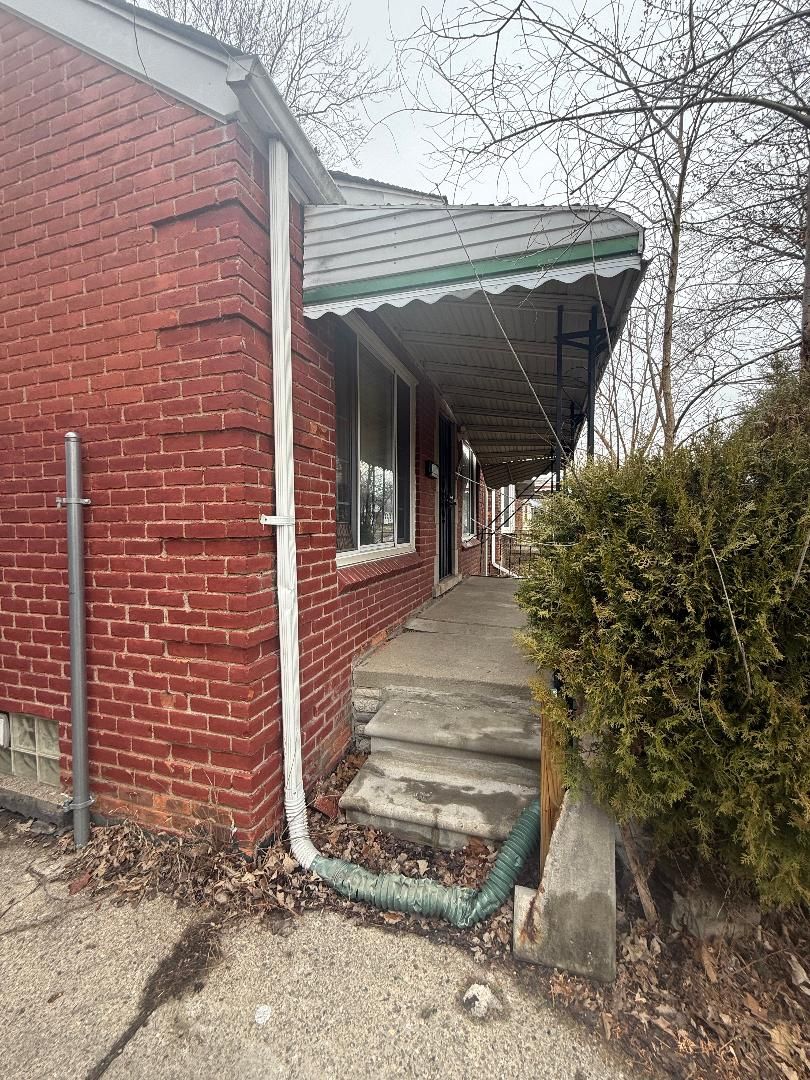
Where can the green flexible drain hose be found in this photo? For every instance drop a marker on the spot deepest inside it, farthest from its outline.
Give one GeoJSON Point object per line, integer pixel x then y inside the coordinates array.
{"type": "Point", "coordinates": [460, 906]}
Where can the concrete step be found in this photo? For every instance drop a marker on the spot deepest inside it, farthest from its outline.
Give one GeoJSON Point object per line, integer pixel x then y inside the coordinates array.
{"type": "Point", "coordinates": [431, 799]}
{"type": "Point", "coordinates": [457, 725]}
{"type": "Point", "coordinates": [483, 663]}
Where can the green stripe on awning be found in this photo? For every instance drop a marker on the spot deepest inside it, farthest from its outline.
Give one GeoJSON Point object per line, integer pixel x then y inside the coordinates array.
{"type": "Point", "coordinates": [563, 255]}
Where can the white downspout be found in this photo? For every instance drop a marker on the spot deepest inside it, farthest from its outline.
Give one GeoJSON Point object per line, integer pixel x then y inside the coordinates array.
{"type": "Point", "coordinates": [284, 519]}
{"type": "Point", "coordinates": [486, 526]}
{"type": "Point", "coordinates": [492, 527]}
{"type": "Point", "coordinates": [497, 565]}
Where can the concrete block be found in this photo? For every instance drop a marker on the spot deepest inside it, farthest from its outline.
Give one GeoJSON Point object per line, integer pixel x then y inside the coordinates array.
{"type": "Point", "coordinates": [437, 662]}
{"type": "Point", "coordinates": [34, 800]}
{"type": "Point", "coordinates": [366, 703]}
{"type": "Point", "coordinates": [570, 923]}
{"type": "Point", "coordinates": [361, 743]}
{"type": "Point", "coordinates": [458, 725]}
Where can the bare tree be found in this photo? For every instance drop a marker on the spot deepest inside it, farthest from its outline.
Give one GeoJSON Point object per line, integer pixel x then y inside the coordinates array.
{"type": "Point", "coordinates": [325, 78]}
{"type": "Point", "coordinates": [627, 412]}
{"type": "Point", "coordinates": [755, 221]}
{"type": "Point", "coordinates": [649, 107]}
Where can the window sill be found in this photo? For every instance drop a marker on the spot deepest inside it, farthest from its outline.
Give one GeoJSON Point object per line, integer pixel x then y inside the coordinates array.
{"type": "Point", "coordinates": [371, 555]}
{"type": "Point", "coordinates": [470, 541]}
{"type": "Point", "coordinates": [355, 574]}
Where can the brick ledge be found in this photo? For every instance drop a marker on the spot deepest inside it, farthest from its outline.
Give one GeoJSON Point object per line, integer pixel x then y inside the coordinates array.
{"type": "Point", "coordinates": [351, 577]}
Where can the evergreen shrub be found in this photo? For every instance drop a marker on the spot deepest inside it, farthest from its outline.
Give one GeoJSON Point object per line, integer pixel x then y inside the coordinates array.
{"type": "Point", "coordinates": [693, 721]}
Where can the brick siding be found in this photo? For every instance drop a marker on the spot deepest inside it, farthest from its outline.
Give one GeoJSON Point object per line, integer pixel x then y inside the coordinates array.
{"type": "Point", "coordinates": [134, 309]}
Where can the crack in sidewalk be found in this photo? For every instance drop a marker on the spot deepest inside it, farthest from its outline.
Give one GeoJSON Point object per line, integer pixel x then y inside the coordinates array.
{"type": "Point", "coordinates": [184, 969]}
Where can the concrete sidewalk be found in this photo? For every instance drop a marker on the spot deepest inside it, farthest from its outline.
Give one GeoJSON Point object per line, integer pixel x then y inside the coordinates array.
{"type": "Point", "coordinates": [336, 999]}
{"type": "Point", "coordinates": [462, 642]}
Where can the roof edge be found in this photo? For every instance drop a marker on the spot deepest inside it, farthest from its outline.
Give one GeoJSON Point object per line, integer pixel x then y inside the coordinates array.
{"type": "Point", "coordinates": [464, 273]}
{"type": "Point", "coordinates": [351, 180]}
{"type": "Point", "coordinates": [190, 66]}
{"type": "Point", "coordinates": [494, 286]}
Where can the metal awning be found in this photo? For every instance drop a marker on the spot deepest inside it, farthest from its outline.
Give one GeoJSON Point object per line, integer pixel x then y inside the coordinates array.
{"type": "Point", "coordinates": [454, 283]}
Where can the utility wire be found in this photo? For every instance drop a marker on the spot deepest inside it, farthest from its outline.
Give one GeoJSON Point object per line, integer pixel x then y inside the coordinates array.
{"type": "Point", "coordinates": [171, 103]}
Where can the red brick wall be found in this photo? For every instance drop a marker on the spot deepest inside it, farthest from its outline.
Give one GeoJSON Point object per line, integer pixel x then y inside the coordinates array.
{"type": "Point", "coordinates": [133, 309]}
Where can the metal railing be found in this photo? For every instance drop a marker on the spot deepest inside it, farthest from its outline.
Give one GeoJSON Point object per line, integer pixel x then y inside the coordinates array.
{"type": "Point", "coordinates": [503, 551]}
{"type": "Point", "coordinates": [516, 554]}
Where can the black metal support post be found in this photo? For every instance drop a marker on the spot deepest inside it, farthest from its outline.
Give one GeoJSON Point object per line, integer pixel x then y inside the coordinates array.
{"type": "Point", "coordinates": [559, 402]}
{"type": "Point", "coordinates": [592, 350]}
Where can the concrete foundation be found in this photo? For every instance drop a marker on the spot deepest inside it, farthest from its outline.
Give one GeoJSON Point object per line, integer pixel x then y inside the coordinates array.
{"type": "Point", "coordinates": [34, 800]}
{"type": "Point", "coordinates": [570, 923]}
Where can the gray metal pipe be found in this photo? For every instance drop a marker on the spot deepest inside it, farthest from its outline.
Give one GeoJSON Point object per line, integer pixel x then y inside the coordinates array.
{"type": "Point", "coordinates": [74, 503]}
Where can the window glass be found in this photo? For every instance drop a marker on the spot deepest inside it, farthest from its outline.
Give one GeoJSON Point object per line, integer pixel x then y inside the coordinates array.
{"type": "Point", "coordinates": [469, 491]}
{"type": "Point", "coordinates": [373, 450]}
{"type": "Point", "coordinates": [403, 461]}
{"type": "Point", "coordinates": [508, 509]}
{"type": "Point", "coordinates": [345, 438]}
{"type": "Point", "coordinates": [376, 451]}
{"type": "Point", "coordinates": [34, 749]}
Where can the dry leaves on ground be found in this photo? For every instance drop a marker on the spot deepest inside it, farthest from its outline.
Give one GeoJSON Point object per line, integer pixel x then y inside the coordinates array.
{"type": "Point", "coordinates": [730, 1010]}
{"type": "Point", "coordinates": [132, 864]}
{"type": "Point", "coordinates": [726, 1010]}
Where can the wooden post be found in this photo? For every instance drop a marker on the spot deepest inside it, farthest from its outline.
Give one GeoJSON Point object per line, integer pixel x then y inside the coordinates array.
{"type": "Point", "coordinates": [551, 786]}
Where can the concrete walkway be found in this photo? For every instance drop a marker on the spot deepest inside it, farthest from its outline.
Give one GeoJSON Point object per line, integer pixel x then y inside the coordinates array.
{"type": "Point", "coordinates": [89, 989]}
{"type": "Point", "coordinates": [455, 740]}
{"type": "Point", "coordinates": [462, 641]}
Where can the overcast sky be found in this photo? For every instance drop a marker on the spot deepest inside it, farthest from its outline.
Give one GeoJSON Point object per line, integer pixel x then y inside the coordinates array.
{"type": "Point", "coordinates": [399, 149]}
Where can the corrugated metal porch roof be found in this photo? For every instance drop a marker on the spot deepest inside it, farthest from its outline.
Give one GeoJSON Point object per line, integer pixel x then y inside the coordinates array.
{"type": "Point", "coordinates": [431, 273]}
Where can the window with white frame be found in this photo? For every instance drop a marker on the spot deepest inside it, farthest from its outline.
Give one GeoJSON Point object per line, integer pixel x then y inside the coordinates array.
{"type": "Point", "coordinates": [469, 498]}
{"type": "Point", "coordinates": [508, 509]}
{"type": "Point", "coordinates": [374, 452]}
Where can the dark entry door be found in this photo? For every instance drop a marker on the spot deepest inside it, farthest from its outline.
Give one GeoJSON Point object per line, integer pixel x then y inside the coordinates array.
{"type": "Point", "coordinates": [447, 501]}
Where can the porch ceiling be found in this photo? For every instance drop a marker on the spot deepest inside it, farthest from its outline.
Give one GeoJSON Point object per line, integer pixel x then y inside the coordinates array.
{"type": "Point", "coordinates": [443, 278]}
{"type": "Point", "coordinates": [459, 345]}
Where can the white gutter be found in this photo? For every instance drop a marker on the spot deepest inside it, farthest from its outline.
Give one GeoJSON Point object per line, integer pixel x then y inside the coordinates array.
{"type": "Point", "coordinates": [261, 104]}
{"type": "Point", "coordinates": [486, 526]}
{"type": "Point", "coordinates": [492, 526]}
{"type": "Point", "coordinates": [284, 519]}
